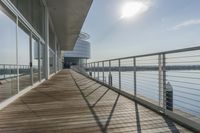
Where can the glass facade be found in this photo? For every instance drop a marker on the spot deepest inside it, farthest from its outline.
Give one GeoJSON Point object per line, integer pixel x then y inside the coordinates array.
{"type": "Point", "coordinates": [79, 54]}
{"type": "Point", "coordinates": [35, 59]}
{"type": "Point", "coordinates": [53, 47]}
{"type": "Point", "coordinates": [33, 11]}
{"type": "Point", "coordinates": [8, 60]}
{"type": "Point", "coordinates": [51, 61]}
{"type": "Point", "coordinates": [81, 50]}
{"type": "Point", "coordinates": [51, 39]}
{"type": "Point", "coordinates": [42, 61]}
{"type": "Point", "coordinates": [23, 58]}
{"type": "Point", "coordinates": [7, 36]}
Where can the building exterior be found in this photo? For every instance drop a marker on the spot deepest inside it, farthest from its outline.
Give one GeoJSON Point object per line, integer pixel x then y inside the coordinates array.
{"type": "Point", "coordinates": [33, 33]}
{"type": "Point", "coordinates": [80, 53]}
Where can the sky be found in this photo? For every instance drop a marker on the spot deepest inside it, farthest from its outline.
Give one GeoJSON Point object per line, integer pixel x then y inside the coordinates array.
{"type": "Point", "coordinates": [159, 25]}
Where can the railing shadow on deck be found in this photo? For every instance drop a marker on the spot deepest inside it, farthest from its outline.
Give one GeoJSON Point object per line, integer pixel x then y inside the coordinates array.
{"type": "Point", "coordinates": [104, 125]}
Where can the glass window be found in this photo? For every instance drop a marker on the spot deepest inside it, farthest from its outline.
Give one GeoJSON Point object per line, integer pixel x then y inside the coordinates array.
{"type": "Point", "coordinates": [8, 68]}
{"type": "Point", "coordinates": [38, 16]}
{"type": "Point", "coordinates": [51, 61]}
{"type": "Point", "coordinates": [33, 11]}
{"type": "Point", "coordinates": [51, 39]}
{"type": "Point", "coordinates": [24, 57]}
{"type": "Point", "coordinates": [35, 59]}
{"type": "Point", "coordinates": [42, 60]}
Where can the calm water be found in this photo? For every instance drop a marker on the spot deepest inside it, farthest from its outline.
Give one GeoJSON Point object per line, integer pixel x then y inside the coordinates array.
{"type": "Point", "coordinates": [186, 87]}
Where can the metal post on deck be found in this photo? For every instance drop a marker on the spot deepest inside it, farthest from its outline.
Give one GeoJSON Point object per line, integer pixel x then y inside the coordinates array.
{"type": "Point", "coordinates": [98, 70]}
{"type": "Point", "coordinates": [4, 68]}
{"type": "Point", "coordinates": [167, 89]}
{"type": "Point", "coordinates": [86, 66]}
{"type": "Point", "coordinates": [169, 96]}
{"type": "Point", "coordinates": [79, 64]}
{"type": "Point", "coordinates": [103, 70]}
{"type": "Point", "coordinates": [134, 77]}
{"type": "Point", "coordinates": [110, 75]}
{"type": "Point", "coordinates": [90, 69]}
{"type": "Point", "coordinates": [119, 61]}
{"type": "Point", "coordinates": [94, 71]}
{"type": "Point", "coordinates": [160, 79]}
{"type": "Point", "coordinates": [164, 81]}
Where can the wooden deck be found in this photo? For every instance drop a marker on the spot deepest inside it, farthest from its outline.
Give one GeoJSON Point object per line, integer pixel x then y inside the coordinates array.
{"type": "Point", "coordinates": [70, 102]}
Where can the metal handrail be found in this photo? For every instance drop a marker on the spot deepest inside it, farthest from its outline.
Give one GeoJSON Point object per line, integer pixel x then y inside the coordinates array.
{"type": "Point", "coordinates": [160, 88]}
{"type": "Point", "coordinates": [11, 70]}
{"type": "Point", "coordinates": [156, 53]}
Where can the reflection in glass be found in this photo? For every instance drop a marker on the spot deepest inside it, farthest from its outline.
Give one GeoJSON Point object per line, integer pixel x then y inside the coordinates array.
{"type": "Point", "coordinates": [33, 11]}
{"type": "Point", "coordinates": [8, 68]}
{"type": "Point", "coordinates": [35, 59]}
{"type": "Point", "coordinates": [24, 57]}
{"type": "Point", "coordinates": [42, 63]}
{"type": "Point", "coordinates": [51, 61]}
{"type": "Point", "coordinates": [51, 39]}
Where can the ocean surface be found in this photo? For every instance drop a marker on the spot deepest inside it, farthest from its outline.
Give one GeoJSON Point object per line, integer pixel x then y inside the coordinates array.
{"type": "Point", "coordinates": [185, 86]}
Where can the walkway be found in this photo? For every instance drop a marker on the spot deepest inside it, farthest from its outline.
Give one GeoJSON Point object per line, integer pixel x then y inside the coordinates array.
{"type": "Point", "coordinates": [70, 102]}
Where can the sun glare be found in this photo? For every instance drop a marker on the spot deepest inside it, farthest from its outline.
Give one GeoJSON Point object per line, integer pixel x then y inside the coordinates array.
{"type": "Point", "coordinates": [132, 9]}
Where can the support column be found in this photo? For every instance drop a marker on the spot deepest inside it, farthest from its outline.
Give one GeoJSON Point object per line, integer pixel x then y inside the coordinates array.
{"type": "Point", "coordinates": [46, 43]}
{"type": "Point", "coordinates": [56, 51]}
{"type": "Point", "coordinates": [17, 55]}
{"type": "Point", "coordinates": [39, 59]}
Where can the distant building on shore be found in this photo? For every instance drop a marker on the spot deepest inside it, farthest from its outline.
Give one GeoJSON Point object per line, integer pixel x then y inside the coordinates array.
{"type": "Point", "coordinates": [80, 53]}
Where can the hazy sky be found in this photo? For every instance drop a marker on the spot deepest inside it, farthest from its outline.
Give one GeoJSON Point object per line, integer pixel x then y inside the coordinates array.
{"type": "Point", "coordinates": [161, 25]}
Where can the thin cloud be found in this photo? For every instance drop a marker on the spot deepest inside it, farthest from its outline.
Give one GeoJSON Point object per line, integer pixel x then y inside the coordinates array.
{"type": "Point", "coordinates": [186, 24]}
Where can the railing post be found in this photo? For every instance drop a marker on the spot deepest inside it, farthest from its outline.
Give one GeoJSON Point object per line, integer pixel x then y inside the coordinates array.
{"type": "Point", "coordinates": [119, 61]}
{"type": "Point", "coordinates": [90, 69]}
{"type": "Point", "coordinates": [167, 90]}
{"type": "Point", "coordinates": [160, 78]}
{"type": "Point", "coordinates": [134, 77]}
{"type": "Point", "coordinates": [110, 75]}
{"type": "Point", "coordinates": [4, 71]}
{"type": "Point", "coordinates": [79, 65]}
{"type": "Point", "coordinates": [164, 81]}
{"type": "Point", "coordinates": [103, 69]}
{"type": "Point", "coordinates": [98, 70]}
{"type": "Point", "coordinates": [94, 71]}
{"type": "Point", "coordinates": [86, 65]}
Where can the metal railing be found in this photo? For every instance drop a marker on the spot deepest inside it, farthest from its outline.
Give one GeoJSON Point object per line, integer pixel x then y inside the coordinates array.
{"type": "Point", "coordinates": [8, 71]}
{"type": "Point", "coordinates": [168, 82]}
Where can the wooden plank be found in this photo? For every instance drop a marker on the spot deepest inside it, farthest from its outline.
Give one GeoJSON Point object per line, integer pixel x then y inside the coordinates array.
{"type": "Point", "coordinates": [70, 102]}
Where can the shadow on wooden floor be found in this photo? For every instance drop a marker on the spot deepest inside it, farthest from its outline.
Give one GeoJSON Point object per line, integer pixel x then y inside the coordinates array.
{"type": "Point", "coordinates": [90, 88]}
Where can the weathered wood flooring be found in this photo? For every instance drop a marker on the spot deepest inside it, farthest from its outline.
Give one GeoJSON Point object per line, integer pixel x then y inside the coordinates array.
{"type": "Point", "coordinates": [69, 102]}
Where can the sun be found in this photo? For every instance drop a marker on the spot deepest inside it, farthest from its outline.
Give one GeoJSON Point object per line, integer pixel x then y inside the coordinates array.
{"type": "Point", "coordinates": [132, 9]}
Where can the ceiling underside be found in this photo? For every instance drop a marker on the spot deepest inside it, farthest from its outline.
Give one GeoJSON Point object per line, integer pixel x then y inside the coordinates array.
{"type": "Point", "coordinates": [68, 17]}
